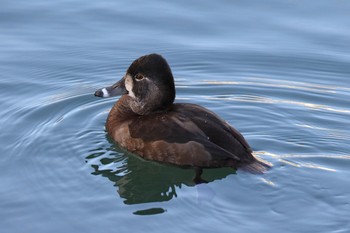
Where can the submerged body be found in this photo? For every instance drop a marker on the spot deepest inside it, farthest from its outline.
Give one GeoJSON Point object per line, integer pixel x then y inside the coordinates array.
{"type": "Point", "coordinates": [146, 122]}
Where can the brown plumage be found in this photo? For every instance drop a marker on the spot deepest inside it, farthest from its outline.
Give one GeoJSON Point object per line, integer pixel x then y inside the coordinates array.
{"type": "Point", "coordinates": [146, 122]}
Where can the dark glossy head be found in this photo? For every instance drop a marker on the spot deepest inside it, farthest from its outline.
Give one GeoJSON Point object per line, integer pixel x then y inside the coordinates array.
{"type": "Point", "coordinates": [148, 82]}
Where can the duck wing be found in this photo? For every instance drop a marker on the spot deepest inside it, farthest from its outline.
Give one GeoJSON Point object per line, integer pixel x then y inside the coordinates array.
{"type": "Point", "coordinates": [217, 130]}
{"type": "Point", "coordinates": [174, 137]}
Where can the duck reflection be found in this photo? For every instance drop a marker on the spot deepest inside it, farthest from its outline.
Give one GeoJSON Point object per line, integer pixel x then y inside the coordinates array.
{"type": "Point", "coordinates": [140, 181]}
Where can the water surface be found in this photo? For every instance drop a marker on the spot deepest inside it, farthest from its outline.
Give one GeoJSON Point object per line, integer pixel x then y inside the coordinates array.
{"type": "Point", "coordinates": [277, 71]}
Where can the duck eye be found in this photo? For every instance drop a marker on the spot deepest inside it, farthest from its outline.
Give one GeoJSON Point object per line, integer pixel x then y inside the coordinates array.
{"type": "Point", "coordinates": [139, 77]}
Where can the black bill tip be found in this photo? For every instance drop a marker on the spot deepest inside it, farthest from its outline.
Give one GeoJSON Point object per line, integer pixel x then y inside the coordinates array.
{"type": "Point", "coordinates": [99, 93]}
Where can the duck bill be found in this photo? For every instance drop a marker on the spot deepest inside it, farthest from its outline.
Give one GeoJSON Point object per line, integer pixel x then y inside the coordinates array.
{"type": "Point", "coordinates": [114, 90]}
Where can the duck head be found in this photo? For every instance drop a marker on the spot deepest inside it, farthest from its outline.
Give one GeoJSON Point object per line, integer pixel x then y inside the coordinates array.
{"type": "Point", "coordinates": [148, 85]}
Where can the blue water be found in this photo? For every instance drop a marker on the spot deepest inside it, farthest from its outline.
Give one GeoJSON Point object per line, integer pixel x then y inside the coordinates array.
{"type": "Point", "coordinates": [276, 70]}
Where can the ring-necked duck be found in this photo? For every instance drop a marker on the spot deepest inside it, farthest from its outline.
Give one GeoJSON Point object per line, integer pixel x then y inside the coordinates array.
{"type": "Point", "coordinates": [146, 122]}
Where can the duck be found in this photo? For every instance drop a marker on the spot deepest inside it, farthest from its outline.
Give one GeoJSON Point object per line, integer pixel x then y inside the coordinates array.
{"type": "Point", "coordinates": [146, 122]}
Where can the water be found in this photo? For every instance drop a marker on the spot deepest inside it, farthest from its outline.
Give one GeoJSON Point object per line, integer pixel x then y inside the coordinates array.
{"type": "Point", "coordinates": [276, 70]}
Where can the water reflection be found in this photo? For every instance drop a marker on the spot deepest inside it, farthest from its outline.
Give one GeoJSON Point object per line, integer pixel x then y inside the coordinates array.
{"type": "Point", "coordinates": [139, 181]}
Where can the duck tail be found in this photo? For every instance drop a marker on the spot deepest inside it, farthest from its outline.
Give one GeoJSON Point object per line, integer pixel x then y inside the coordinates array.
{"type": "Point", "coordinates": [258, 166]}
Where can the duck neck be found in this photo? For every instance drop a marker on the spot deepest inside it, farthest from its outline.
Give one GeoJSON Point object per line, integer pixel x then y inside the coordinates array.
{"type": "Point", "coordinates": [121, 111]}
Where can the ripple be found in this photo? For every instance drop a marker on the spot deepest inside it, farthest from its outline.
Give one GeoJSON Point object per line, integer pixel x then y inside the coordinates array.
{"type": "Point", "coordinates": [330, 163]}
{"type": "Point", "coordinates": [299, 87]}
{"type": "Point", "coordinates": [272, 83]}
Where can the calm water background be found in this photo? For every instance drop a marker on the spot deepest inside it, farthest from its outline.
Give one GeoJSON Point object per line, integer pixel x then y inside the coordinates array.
{"type": "Point", "coordinates": [276, 70]}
